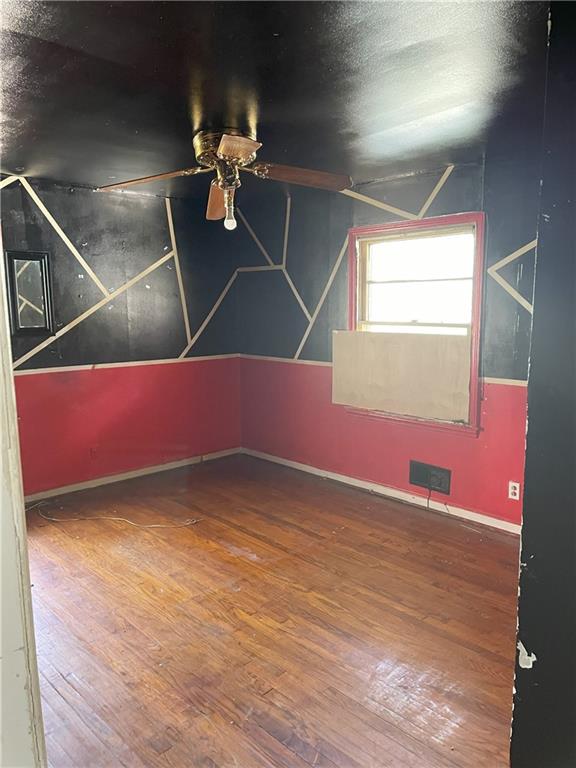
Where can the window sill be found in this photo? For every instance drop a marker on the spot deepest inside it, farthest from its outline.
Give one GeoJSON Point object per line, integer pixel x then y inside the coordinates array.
{"type": "Point", "coordinates": [464, 430]}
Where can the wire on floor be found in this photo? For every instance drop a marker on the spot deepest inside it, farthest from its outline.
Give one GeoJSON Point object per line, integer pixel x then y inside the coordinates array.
{"type": "Point", "coordinates": [189, 521]}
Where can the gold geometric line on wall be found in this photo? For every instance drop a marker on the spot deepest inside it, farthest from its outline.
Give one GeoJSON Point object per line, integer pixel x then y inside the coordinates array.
{"type": "Point", "coordinates": [432, 196]}
{"type": "Point", "coordinates": [8, 180]}
{"type": "Point", "coordinates": [52, 221]}
{"type": "Point", "coordinates": [399, 211]}
{"type": "Point", "coordinates": [62, 235]}
{"type": "Point", "coordinates": [286, 229]}
{"type": "Point", "coordinates": [210, 314]}
{"type": "Point", "coordinates": [378, 204]}
{"type": "Point", "coordinates": [191, 340]}
{"type": "Point", "coordinates": [254, 237]}
{"type": "Point", "coordinates": [270, 267]}
{"type": "Point", "coordinates": [285, 272]}
{"type": "Point", "coordinates": [312, 318]}
{"type": "Point", "coordinates": [493, 271]}
{"type": "Point", "coordinates": [94, 308]}
{"type": "Point", "coordinates": [109, 296]}
{"type": "Point", "coordinates": [261, 268]}
{"type": "Point", "coordinates": [222, 296]}
{"type": "Point", "coordinates": [322, 297]}
{"type": "Point", "coordinates": [178, 271]}
{"type": "Point", "coordinates": [281, 266]}
{"type": "Point", "coordinates": [299, 299]}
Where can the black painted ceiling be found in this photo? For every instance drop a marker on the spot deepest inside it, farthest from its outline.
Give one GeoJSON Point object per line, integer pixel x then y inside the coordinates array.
{"type": "Point", "coordinates": [95, 92]}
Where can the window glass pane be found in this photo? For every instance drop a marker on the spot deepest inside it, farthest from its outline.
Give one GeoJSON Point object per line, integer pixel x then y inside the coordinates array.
{"type": "Point", "coordinates": [436, 302]}
{"type": "Point", "coordinates": [429, 257]}
{"type": "Point", "coordinates": [30, 293]}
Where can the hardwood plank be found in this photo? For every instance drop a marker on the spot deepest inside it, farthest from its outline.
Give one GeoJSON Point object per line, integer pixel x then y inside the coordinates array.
{"type": "Point", "coordinates": [299, 624]}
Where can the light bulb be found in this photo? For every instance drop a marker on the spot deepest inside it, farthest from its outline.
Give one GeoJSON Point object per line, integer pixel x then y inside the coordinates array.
{"type": "Point", "coordinates": [230, 221]}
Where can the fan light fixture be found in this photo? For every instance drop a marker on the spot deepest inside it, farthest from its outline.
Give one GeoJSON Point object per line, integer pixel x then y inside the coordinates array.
{"type": "Point", "coordinates": [226, 154]}
{"type": "Point", "coordinates": [229, 220]}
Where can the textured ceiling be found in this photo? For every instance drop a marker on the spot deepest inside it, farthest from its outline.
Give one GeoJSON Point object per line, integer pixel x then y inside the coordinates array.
{"type": "Point", "coordinates": [95, 92]}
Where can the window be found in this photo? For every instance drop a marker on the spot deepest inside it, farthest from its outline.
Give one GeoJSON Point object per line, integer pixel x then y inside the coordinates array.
{"type": "Point", "coordinates": [417, 281]}
{"type": "Point", "coordinates": [29, 292]}
{"type": "Point", "coordinates": [415, 297]}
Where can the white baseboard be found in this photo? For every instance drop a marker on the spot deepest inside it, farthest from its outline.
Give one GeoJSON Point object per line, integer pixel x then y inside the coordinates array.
{"type": "Point", "coordinates": [393, 493]}
{"type": "Point", "coordinates": [381, 490]}
{"type": "Point", "coordinates": [107, 479]}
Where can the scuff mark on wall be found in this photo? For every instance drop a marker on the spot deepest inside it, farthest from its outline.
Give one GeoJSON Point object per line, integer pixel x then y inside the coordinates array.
{"type": "Point", "coordinates": [525, 660]}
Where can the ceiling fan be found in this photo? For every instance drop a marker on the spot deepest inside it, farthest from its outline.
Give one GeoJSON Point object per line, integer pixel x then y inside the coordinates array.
{"type": "Point", "coordinates": [226, 154]}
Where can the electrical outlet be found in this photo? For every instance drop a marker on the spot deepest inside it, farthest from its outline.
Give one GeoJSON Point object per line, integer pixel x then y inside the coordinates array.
{"type": "Point", "coordinates": [514, 490]}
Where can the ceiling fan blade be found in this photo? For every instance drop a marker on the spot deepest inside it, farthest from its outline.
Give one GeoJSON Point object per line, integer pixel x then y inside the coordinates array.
{"type": "Point", "coordinates": [237, 147]}
{"type": "Point", "coordinates": [335, 182]}
{"type": "Point", "coordinates": [157, 177]}
{"type": "Point", "coordinates": [215, 209]}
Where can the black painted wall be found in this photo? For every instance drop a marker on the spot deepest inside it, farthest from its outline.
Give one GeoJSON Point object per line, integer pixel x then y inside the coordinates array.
{"type": "Point", "coordinates": [503, 181]}
{"type": "Point", "coordinates": [121, 234]}
{"type": "Point", "coordinates": [507, 191]}
{"type": "Point", "coordinates": [544, 723]}
{"type": "Point", "coordinates": [118, 238]}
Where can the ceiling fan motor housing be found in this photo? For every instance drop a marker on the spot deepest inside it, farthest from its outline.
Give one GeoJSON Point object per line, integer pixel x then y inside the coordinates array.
{"type": "Point", "coordinates": [206, 145]}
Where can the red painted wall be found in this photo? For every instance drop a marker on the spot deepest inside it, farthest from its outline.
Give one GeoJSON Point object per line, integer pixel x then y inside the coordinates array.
{"type": "Point", "coordinates": [287, 411]}
{"type": "Point", "coordinates": [87, 423]}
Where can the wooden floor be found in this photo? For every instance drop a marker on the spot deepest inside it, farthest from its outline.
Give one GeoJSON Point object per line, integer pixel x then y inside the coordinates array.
{"type": "Point", "coordinates": [300, 623]}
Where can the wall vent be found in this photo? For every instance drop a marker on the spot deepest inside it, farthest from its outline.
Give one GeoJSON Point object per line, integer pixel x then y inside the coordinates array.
{"type": "Point", "coordinates": [430, 477]}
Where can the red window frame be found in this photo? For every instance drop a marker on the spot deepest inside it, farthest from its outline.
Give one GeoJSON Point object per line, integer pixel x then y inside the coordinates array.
{"type": "Point", "coordinates": [477, 219]}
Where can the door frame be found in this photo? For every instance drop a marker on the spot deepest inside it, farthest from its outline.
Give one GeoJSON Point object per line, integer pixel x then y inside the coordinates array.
{"type": "Point", "coordinates": [23, 742]}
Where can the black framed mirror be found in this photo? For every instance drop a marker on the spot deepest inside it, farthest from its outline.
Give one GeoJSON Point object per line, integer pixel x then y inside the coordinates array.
{"type": "Point", "coordinates": [29, 292]}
